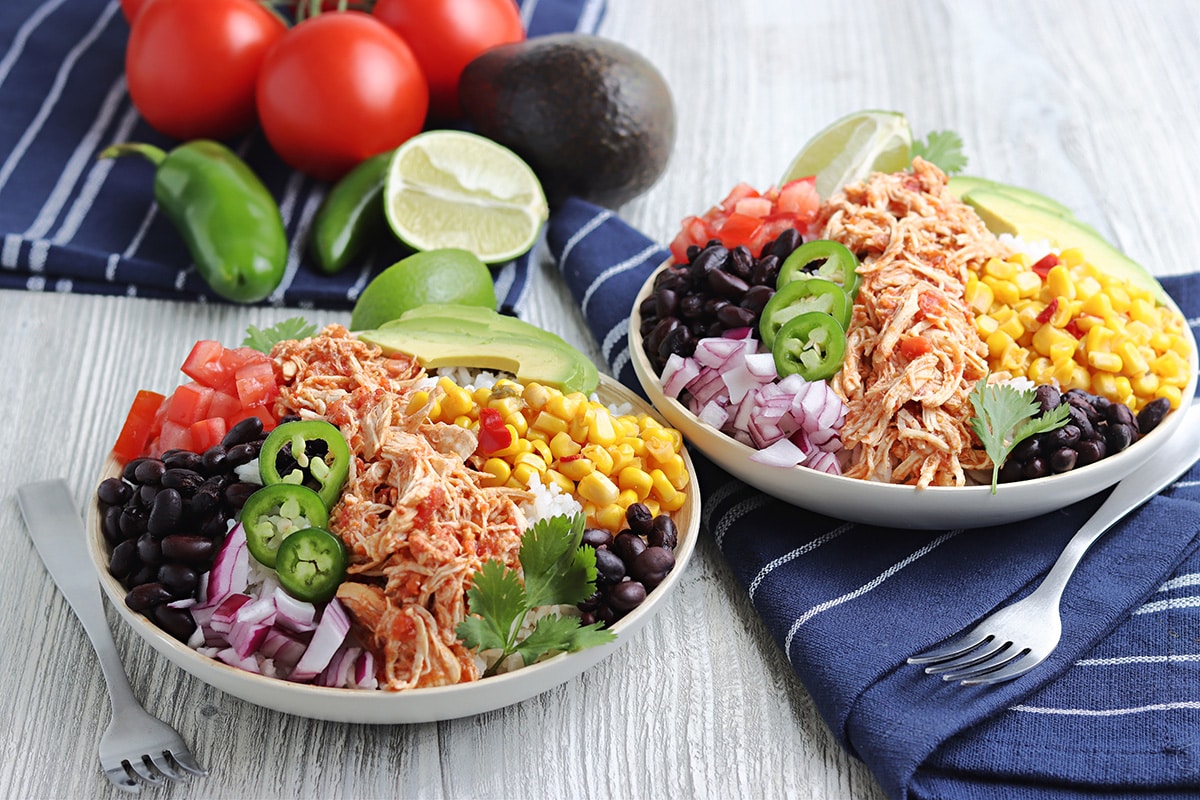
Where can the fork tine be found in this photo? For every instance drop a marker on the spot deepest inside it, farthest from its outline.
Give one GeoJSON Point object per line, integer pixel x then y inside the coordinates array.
{"type": "Point", "coordinates": [119, 777]}
{"type": "Point", "coordinates": [985, 652]}
{"type": "Point", "coordinates": [1014, 669]}
{"type": "Point", "coordinates": [185, 760]}
{"type": "Point", "coordinates": [145, 770]}
{"type": "Point", "coordinates": [963, 644]}
{"type": "Point", "coordinates": [987, 667]}
{"type": "Point", "coordinates": [163, 763]}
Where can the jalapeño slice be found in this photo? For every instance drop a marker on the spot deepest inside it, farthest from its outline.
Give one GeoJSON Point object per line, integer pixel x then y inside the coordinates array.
{"type": "Point", "coordinates": [811, 345]}
{"type": "Point", "coordinates": [275, 512]}
{"type": "Point", "coordinates": [308, 452]}
{"type": "Point", "coordinates": [821, 258]}
{"type": "Point", "coordinates": [799, 297]}
{"type": "Point", "coordinates": [311, 564]}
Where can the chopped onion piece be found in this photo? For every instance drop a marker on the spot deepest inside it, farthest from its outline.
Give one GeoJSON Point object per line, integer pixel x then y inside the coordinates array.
{"type": "Point", "coordinates": [782, 453]}
{"type": "Point", "coordinates": [327, 638]}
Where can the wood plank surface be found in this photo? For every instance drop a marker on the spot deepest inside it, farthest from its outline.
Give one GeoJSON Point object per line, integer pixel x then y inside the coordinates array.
{"type": "Point", "coordinates": [1094, 102]}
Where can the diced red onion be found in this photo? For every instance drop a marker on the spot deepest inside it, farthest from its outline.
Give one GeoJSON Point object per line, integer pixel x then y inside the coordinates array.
{"type": "Point", "coordinates": [364, 671]}
{"type": "Point", "coordinates": [231, 568]}
{"type": "Point", "coordinates": [226, 612]}
{"type": "Point", "coordinates": [782, 453]}
{"type": "Point", "coordinates": [327, 638]}
{"type": "Point", "coordinates": [744, 332]}
{"type": "Point", "coordinates": [714, 414]}
{"type": "Point", "coordinates": [295, 615]}
{"type": "Point", "coordinates": [678, 373]}
{"type": "Point", "coordinates": [231, 657]}
{"type": "Point", "coordinates": [761, 365]}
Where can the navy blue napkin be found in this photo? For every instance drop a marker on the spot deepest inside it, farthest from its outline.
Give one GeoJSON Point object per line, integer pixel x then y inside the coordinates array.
{"type": "Point", "coordinates": [70, 223]}
{"type": "Point", "coordinates": [1114, 712]}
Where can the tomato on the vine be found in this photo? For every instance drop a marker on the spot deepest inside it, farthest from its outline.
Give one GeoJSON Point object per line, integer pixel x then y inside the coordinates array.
{"type": "Point", "coordinates": [191, 65]}
{"type": "Point", "coordinates": [338, 89]}
{"type": "Point", "coordinates": [446, 35]}
{"type": "Point", "coordinates": [130, 9]}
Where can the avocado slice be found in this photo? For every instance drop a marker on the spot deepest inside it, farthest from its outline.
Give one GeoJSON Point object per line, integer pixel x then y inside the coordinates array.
{"type": "Point", "coordinates": [962, 185]}
{"type": "Point", "coordinates": [473, 336]}
{"type": "Point", "coordinates": [1003, 213]}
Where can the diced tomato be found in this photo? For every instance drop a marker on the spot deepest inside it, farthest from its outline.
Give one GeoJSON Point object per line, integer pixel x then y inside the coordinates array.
{"type": "Point", "coordinates": [754, 207]}
{"type": "Point", "coordinates": [913, 346]}
{"type": "Point", "coordinates": [203, 364]}
{"type": "Point", "coordinates": [207, 432]}
{"type": "Point", "coordinates": [224, 405]}
{"type": "Point", "coordinates": [189, 403]}
{"type": "Point", "coordinates": [800, 198]}
{"type": "Point", "coordinates": [738, 229]}
{"type": "Point", "coordinates": [173, 437]}
{"type": "Point", "coordinates": [256, 384]}
{"type": "Point", "coordinates": [737, 193]}
{"type": "Point", "coordinates": [139, 426]}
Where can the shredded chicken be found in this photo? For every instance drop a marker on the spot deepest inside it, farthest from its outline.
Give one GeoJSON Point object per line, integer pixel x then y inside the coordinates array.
{"type": "Point", "coordinates": [907, 401]}
{"type": "Point", "coordinates": [413, 515]}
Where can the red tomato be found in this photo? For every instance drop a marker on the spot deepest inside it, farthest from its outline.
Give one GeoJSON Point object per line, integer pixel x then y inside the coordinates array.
{"type": "Point", "coordinates": [139, 426]}
{"type": "Point", "coordinates": [913, 346]}
{"type": "Point", "coordinates": [746, 217]}
{"type": "Point", "coordinates": [130, 9]}
{"type": "Point", "coordinates": [446, 35]}
{"type": "Point", "coordinates": [191, 65]}
{"type": "Point", "coordinates": [256, 384]}
{"type": "Point", "coordinates": [190, 402]}
{"type": "Point", "coordinates": [206, 432]}
{"type": "Point", "coordinates": [203, 364]}
{"type": "Point", "coordinates": [338, 89]}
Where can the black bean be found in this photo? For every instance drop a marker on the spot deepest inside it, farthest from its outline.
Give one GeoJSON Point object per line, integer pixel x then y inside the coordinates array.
{"type": "Point", "coordinates": [165, 513]}
{"type": "Point", "coordinates": [1010, 471]}
{"type": "Point", "coordinates": [182, 480]}
{"type": "Point", "coordinates": [110, 525]}
{"type": "Point", "coordinates": [133, 521]}
{"type": "Point", "coordinates": [129, 471]}
{"type": "Point", "coordinates": [1082, 421]}
{"type": "Point", "coordinates": [1027, 449]}
{"type": "Point", "coordinates": [1152, 414]}
{"type": "Point", "coordinates": [1118, 436]}
{"type": "Point", "coordinates": [176, 621]}
{"type": "Point", "coordinates": [242, 432]}
{"type": "Point", "coordinates": [145, 494]}
{"type": "Point", "coordinates": [1119, 414]}
{"type": "Point", "coordinates": [1035, 468]}
{"type": "Point", "coordinates": [651, 566]}
{"type": "Point", "coordinates": [726, 285]}
{"type": "Point", "coordinates": [647, 307]}
{"type": "Point", "coordinates": [597, 537]}
{"type": "Point", "coordinates": [213, 525]}
{"type": "Point", "coordinates": [591, 603]}
{"type": "Point", "coordinates": [149, 470]}
{"type": "Point", "coordinates": [628, 546]}
{"type": "Point", "coordinates": [1063, 459]}
{"type": "Point", "coordinates": [1089, 451]}
{"type": "Point", "coordinates": [756, 298]}
{"type": "Point", "coordinates": [213, 460]}
{"type": "Point", "coordinates": [709, 259]}
{"type": "Point", "coordinates": [148, 549]}
{"type": "Point", "coordinates": [604, 614]}
{"type": "Point", "coordinates": [206, 498]}
{"type": "Point", "coordinates": [692, 251]}
{"type": "Point", "coordinates": [123, 560]}
{"type": "Point", "coordinates": [144, 573]}
{"type": "Point", "coordinates": [237, 493]}
{"type": "Point", "coordinates": [188, 548]}
{"type": "Point", "coordinates": [639, 518]}
{"type": "Point", "coordinates": [241, 454]}
{"type": "Point", "coordinates": [147, 596]}
{"type": "Point", "coordinates": [181, 579]}
{"type": "Point", "coordinates": [666, 302]}
{"type": "Point", "coordinates": [785, 243]}
{"type": "Point", "coordinates": [114, 491]}
{"type": "Point", "coordinates": [740, 266]}
{"type": "Point", "coordinates": [587, 618]}
{"type": "Point", "coordinates": [626, 596]}
{"type": "Point", "coordinates": [678, 342]}
{"type": "Point", "coordinates": [1047, 397]}
{"type": "Point", "coordinates": [1066, 436]}
{"type": "Point", "coordinates": [732, 316]}
{"type": "Point", "coordinates": [691, 306]}
{"type": "Point", "coordinates": [609, 566]}
{"type": "Point", "coordinates": [182, 459]}
{"type": "Point", "coordinates": [663, 533]}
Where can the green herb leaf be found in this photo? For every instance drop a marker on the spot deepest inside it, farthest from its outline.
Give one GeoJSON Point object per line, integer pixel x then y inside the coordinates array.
{"type": "Point", "coordinates": [557, 571]}
{"type": "Point", "coordinates": [1005, 416]}
{"type": "Point", "coordinates": [943, 148]}
{"type": "Point", "coordinates": [263, 340]}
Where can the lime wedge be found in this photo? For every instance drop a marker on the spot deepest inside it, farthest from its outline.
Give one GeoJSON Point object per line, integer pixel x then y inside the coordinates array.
{"type": "Point", "coordinates": [852, 148]}
{"type": "Point", "coordinates": [450, 189]}
{"type": "Point", "coordinates": [433, 276]}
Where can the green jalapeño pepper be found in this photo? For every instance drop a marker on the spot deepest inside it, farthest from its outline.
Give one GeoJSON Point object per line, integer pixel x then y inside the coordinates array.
{"type": "Point", "coordinates": [350, 215]}
{"type": "Point", "coordinates": [275, 512]}
{"type": "Point", "coordinates": [309, 452]}
{"type": "Point", "coordinates": [227, 218]}
{"type": "Point", "coordinates": [822, 258]}
{"type": "Point", "coordinates": [311, 564]}
{"type": "Point", "coordinates": [799, 297]}
{"type": "Point", "coordinates": [811, 345]}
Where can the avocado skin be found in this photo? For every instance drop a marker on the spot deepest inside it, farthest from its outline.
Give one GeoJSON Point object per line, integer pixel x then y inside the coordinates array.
{"type": "Point", "coordinates": [592, 117]}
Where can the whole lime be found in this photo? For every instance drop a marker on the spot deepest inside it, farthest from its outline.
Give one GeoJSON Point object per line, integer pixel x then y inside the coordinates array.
{"type": "Point", "coordinates": [433, 276]}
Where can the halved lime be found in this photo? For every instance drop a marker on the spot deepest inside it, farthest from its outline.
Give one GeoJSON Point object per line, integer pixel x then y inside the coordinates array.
{"type": "Point", "coordinates": [434, 276]}
{"type": "Point", "coordinates": [454, 189]}
{"type": "Point", "coordinates": [852, 148]}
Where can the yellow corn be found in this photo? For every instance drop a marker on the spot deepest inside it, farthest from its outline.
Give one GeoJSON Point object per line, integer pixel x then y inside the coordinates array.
{"type": "Point", "coordinates": [576, 469]}
{"type": "Point", "coordinates": [636, 480]}
{"type": "Point", "coordinates": [456, 401]}
{"type": "Point", "coordinates": [597, 488]}
{"type": "Point", "coordinates": [610, 517]}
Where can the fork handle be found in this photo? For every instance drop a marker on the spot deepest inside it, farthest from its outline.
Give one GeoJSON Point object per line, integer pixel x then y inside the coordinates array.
{"type": "Point", "coordinates": [1176, 456]}
{"type": "Point", "coordinates": [59, 536]}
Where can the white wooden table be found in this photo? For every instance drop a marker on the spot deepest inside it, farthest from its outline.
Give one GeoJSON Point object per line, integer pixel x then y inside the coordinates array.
{"type": "Point", "coordinates": [1095, 103]}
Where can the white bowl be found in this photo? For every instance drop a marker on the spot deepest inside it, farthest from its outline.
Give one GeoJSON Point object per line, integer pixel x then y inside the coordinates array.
{"type": "Point", "coordinates": [890, 505]}
{"type": "Point", "coordinates": [414, 705]}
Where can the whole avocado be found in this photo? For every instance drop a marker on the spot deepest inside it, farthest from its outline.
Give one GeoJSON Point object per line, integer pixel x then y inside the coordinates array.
{"type": "Point", "coordinates": [592, 117]}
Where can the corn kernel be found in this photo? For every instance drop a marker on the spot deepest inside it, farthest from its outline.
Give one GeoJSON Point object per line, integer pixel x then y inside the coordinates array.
{"type": "Point", "coordinates": [979, 295]}
{"type": "Point", "coordinates": [549, 423]}
{"type": "Point", "coordinates": [536, 395]}
{"type": "Point", "coordinates": [542, 450]}
{"type": "Point", "coordinates": [575, 468]}
{"type": "Point", "coordinates": [1059, 282]}
{"type": "Point", "coordinates": [600, 457]}
{"type": "Point", "coordinates": [1108, 362]}
{"type": "Point", "coordinates": [563, 406]}
{"type": "Point", "coordinates": [1001, 270]}
{"type": "Point", "coordinates": [986, 325]}
{"type": "Point", "coordinates": [1172, 393]}
{"type": "Point", "coordinates": [456, 401]}
{"type": "Point", "coordinates": [1099, 304]}
{"type": "Point", "coordinates": [498, 469]}
{"type": "Point", "coordinates": [1131, 358]}
{"type": "Point", "coordinates": [675, 470]}
{"type": "Point", "coordinates": [635, 480]}
{"type": "Point", "coordinates": [611, 517]}
{"type": "Point", "coordinates": [998, 343]}
{"type": "Point", "coordinates": [1072, 256]}
{"type": "Point", "coordinates": [663, 488]}
{"type": "Point", "coordinates": [563, 445]}
{"type": "Point", "coordinates": [1047, 338]}
{"type": "Point", "coordinates": [1004, 291]}
{"type": "Point", "coordinates": [601, 429]}
{"type": "Point", "coordinates": [627, 497]}
{"type": "Point", "coordinates": [597, 488]}
{"type": "Point", "coordinates": [555, 478]}
{"type": "Point", "coordinates": [507, 405]}
{"type": "Point", "coordinates": [416, 402]}
{"type": "Point", "coordinates": [652, 506]}
{"type": "Point", "coordinates": [1028, 283]}
{"type": "Point", "coordinates": [523, 474]}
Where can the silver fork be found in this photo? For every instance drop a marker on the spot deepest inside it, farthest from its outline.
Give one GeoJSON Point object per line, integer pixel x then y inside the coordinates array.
{"type": "Point", "coordinates": [1015, 639]}
{"type": "Point", "coordinates": [136, 747]}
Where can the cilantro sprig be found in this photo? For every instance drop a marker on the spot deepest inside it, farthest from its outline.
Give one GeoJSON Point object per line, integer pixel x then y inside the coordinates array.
{"type": "Point", "coordinates": [263, 340]}
{"type": "Point", "coordinates": [1006, 416]}
{"type": "Point", "coordinates": [943, 148]}
{"type": "Point", "coordinates": [557, 571]}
